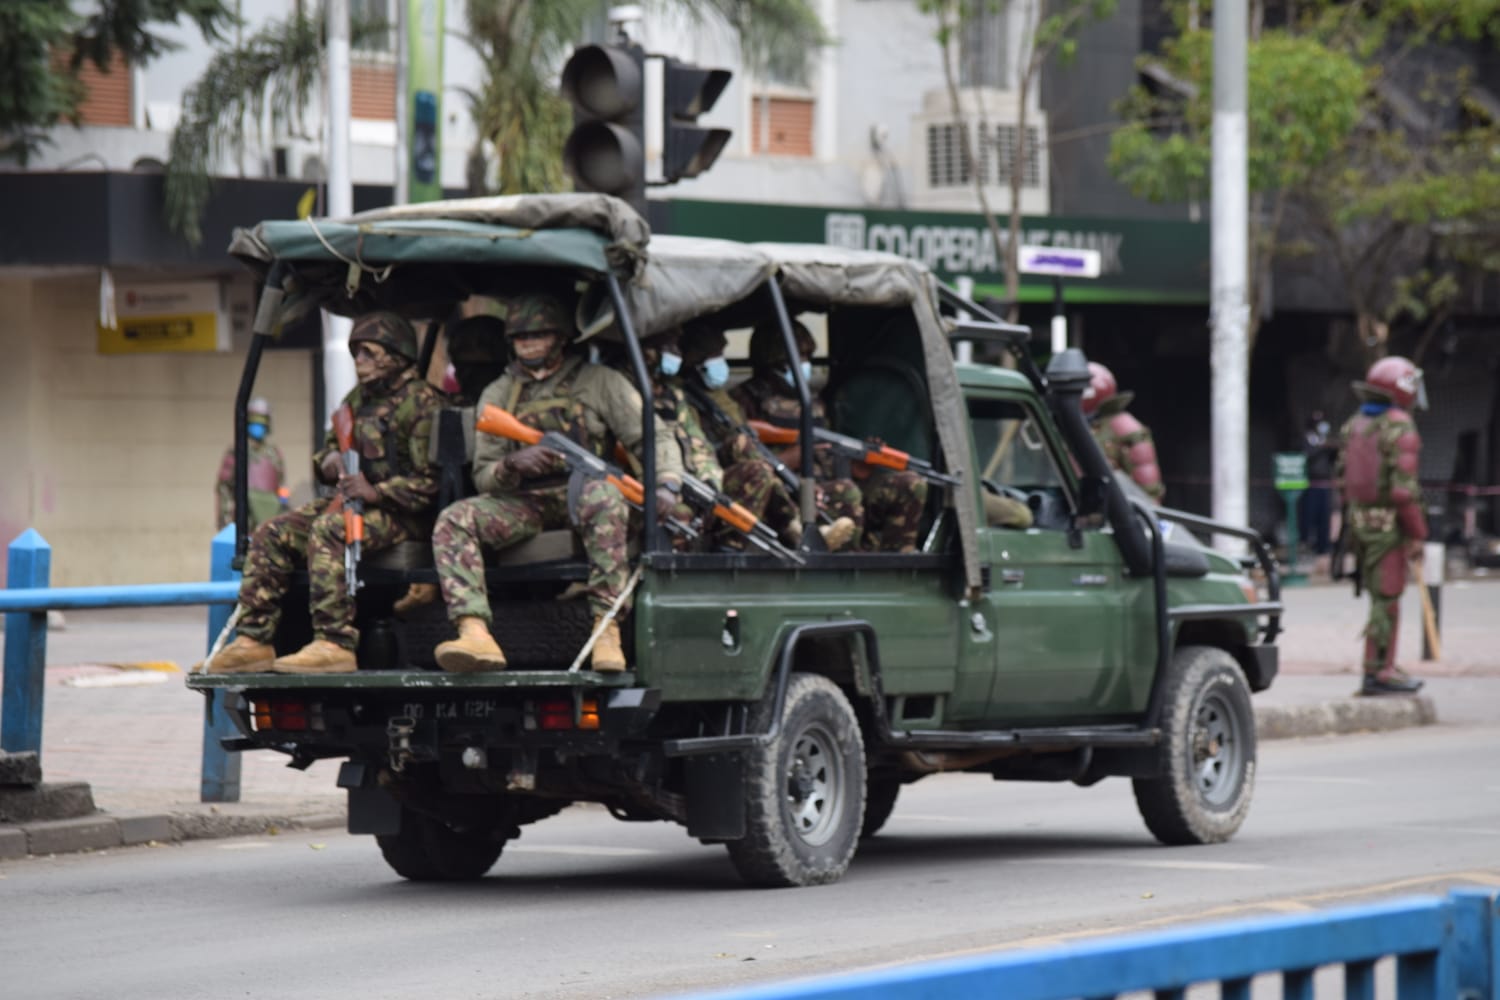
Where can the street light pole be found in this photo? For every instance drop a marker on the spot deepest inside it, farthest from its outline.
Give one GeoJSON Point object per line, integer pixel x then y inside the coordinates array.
{"type": "Point", "coordinates": [1229, 360]}
{"type": "Point", "coordinates": [338, 366]}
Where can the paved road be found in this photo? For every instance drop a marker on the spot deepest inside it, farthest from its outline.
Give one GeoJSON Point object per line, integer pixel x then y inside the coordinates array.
{"type": "Point", "coordinates": [587, 907]}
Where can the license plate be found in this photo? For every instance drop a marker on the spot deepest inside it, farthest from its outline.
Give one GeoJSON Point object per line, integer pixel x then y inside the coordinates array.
{"type": "Point", "coordinates": [457, 708]}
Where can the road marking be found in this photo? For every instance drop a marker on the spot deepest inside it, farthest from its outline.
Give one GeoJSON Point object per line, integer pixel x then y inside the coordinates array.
{"type": "Point", "coordinates": [1312, 779]}
{"type": "Point", "coordinates": [925, 818]}
{"type": "Point", "coordinates": [605, 852]}
{"type": "Point", "coordinates": [1477, 830]}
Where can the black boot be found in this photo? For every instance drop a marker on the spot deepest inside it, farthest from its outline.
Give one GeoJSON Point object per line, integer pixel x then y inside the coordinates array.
{"type": "Point", "coordinates": [1394, 681]}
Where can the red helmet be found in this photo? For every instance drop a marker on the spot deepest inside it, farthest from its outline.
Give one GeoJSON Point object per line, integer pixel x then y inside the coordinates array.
{"type": "Point", "coordinates": [1395, 379]}
{"type": "Point", "coordinates": [1102, 388]}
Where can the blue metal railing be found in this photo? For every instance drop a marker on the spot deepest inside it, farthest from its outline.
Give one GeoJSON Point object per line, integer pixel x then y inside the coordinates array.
{"type": "Point", "coordinates": [1444, 949]}
{"type": "Point", "coordinates": [26, 600]}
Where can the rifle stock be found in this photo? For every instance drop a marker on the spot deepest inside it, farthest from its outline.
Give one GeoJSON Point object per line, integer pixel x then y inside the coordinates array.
{"type": "Point", "coordinates": [354, 510]}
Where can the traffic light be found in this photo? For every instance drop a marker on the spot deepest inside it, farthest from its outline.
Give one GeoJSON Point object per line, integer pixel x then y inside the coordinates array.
{"type": "Point", "coordinates": [605, 152]}
{"type": "Point", "coordinates": [687, 92]}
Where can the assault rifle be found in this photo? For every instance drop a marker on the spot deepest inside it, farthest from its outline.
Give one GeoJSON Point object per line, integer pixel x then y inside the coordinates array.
{"type": "Point", "coordinates": [354, 510]}
{"type": "Point", "coordinates": [499, 422]}
{"type": "Point", "coordinates": [702, 496]}
{"type": "Point", "coordinates": [871, 452]}
{"type": "Point", "coordinates": [705, 404]}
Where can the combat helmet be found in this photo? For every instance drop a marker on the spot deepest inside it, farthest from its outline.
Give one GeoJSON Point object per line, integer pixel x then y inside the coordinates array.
{"type": "Point", "coordinates": [1393, 380]}
{"type": "Point", "coordinates": [387, 329]}
{"type": "Point", "coordinates": [768, 349]}
{"type": "Point", "coordinates": [1103, 396]}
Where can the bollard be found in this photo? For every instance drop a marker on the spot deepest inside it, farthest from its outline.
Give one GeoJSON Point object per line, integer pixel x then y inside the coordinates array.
{"type": "Point", "coordinates": [28, 565]}
{"type": "Point", "coordinates": [1433, 556]}
{"type": "Point", "coordinates": [221, 769]}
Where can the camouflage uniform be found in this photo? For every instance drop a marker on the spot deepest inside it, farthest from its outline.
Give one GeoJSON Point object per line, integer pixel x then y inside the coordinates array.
{"type": "Point", "coordinates": [1127, 446]}
{"type": "Point", "coordinates": [1377, 472]}
{"type": "Point", "coordinates": [266, 476]}
{"type": "Point", "coordinates": [392, 428]}
{"type": "Point", "coordinates": [767, 397]}
{"type": "Point", "coordinates": [593, 405]}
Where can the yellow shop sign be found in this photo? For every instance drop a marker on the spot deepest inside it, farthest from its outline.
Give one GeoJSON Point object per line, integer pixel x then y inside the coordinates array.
{"type": "Point", "coordinates": [150, 317]}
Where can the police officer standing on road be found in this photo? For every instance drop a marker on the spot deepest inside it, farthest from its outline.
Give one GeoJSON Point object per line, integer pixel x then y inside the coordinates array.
{"type": "Point", "coordinates": [524, 489]}
{"type": "Point", "coordinates": [267, 471]}
{"type": "Point", "coordinates": [1377, 472]}
{"type": "Point", "coordinates": [1126, 442]}
{"type": "Point", "coordinates": [393, 412]}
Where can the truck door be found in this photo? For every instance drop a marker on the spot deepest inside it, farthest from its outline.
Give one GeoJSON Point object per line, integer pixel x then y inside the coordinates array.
{"type": "Point", "coordinates": [1056, 591]}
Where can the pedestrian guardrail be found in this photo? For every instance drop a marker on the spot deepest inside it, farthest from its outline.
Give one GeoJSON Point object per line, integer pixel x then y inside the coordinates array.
{"type": "Point", "coordinates": [1442, 948]}
{"type": "Point", "coordinates": [27, 598]}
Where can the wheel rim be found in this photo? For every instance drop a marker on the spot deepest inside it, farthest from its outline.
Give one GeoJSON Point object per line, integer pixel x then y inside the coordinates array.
{"type": "Point", "coordinates": [814, 786]}
{"type": "Point", "coordinates": [1216, 751]}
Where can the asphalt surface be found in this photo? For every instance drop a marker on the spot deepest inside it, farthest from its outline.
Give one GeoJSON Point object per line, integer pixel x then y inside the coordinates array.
{"type": "Point", "coordinates": [118, 717]}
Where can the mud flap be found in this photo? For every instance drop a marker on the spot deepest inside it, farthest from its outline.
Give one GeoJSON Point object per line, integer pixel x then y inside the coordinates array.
{"type": "Point", "coordinates": [716, 796]}
{"type": "Point", "coordinates": [372, 809]}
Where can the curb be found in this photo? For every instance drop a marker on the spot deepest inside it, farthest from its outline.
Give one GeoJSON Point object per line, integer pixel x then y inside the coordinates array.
{"type": "Point", "coordinates": [102, 831]}
{"type": "Point", "coordinates": [1343, 716]}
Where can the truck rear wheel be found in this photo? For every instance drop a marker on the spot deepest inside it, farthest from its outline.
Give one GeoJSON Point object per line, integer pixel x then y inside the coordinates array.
{"type": "Point", "coordinates": [805, 790]}
{"type": "Point", "coordinates": [428, 850]}
{"type": "Point", "coordinates": [1208, 765]}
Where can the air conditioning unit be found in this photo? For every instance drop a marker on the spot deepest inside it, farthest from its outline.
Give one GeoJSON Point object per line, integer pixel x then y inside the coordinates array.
{"type": "Point", "coordinates": [941, 179]}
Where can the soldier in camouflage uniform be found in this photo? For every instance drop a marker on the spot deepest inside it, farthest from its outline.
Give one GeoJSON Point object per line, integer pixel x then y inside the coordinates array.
{"type": "Point", "coordinates": [267, 475]}
{"type": "Point", "coordinates": [888, 508]}
{"type": "Point", "coordinates": [1377, 472]}
{"type": "Point", "coordinates": [393, 412]}
{"type": "Point", "coordinates": [524, 489]}
{"type": "Point", "coordinates": [1125, 441]}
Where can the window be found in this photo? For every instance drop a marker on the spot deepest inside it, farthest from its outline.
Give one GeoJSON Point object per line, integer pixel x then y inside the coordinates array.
{"type": "Point", "coordinates": [783, 125]}
{"type": "Point", "coordinates": [372, 92]}
{"type": "Point", "coordinates": [107, 95]}
{"type": "Point", "coordinates": [981, 48]}
{"type": "Point", "coordinates": [373, 26]}
{"type": "Point", "coordinates": [1015, 460]}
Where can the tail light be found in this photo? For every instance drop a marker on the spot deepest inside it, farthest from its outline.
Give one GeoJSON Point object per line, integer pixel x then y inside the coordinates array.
{"type": "Point", "coordinates": [559, 713]}
{"type": "Point", "coordinates": [286, 714]}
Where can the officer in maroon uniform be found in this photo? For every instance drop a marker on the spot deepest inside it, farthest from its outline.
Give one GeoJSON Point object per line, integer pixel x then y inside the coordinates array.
{"type": "Point", "coordinates": [1126, 441]}
{"type": "Point", "coordinates": [1377, 472]}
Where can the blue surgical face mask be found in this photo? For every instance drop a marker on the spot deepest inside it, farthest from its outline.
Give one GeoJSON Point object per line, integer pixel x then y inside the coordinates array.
{"type": "Point", "coordinates": [715, 372]}
{"type": "Point", "coordinates": [671, 363]}
{"type": "Point", "coordinates": [806, 367]}
{"type": "Point", "coordinates": [257, 431]}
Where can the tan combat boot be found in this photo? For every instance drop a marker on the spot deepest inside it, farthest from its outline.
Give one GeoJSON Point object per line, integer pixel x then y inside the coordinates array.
{"type": "Point", "coordinates": [839, 534]}
{"type": "Point", "coordinates": [318, 657]}
{"type": "Point", "coordinates": [416, 596]}
{"type": "Point", "coordinates": [474, 650]}
{"type": "Point", "coordinates": [242, 656]}
{"type": "Point", "coordinates": [608, 657]}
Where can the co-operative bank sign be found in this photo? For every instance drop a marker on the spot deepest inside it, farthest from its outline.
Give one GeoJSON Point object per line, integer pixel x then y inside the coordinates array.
{"type": "Point", "coordinates": [1140, 261]}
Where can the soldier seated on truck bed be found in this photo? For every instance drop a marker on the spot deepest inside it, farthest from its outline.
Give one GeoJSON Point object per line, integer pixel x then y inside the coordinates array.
{"type": "Point", "coordinates": [393, 411]}
{"type": "Point", "coordinates": [888, 507]}
{"type": "Point", "coordinates": [524, 489]}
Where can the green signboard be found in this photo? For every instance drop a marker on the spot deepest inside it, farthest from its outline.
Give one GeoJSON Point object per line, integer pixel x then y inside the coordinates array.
{"type": "Point", "coordinates": [1289, 470]}
{"type": "Point", "coordinates": [1142, 261]}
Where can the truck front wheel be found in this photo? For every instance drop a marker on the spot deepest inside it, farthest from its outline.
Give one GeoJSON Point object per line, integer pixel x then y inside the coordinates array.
{"type": "Point", "coordinates": [1208, 762]}
{"type": "Point", "coordinates": [428, 850]}
{"type": "Point", "coordinates": [805, 790]}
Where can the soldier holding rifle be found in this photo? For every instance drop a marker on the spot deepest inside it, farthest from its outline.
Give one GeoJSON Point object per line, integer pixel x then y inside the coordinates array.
{"type": "Point", "coordinates": [395, 483]}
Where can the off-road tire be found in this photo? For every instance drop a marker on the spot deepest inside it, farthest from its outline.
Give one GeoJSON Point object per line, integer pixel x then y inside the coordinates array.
{"type": "Point", "coordinates": [427, 850]}
{"type": "Point", "coordinates": [1208, 752]}
{"type": "Point", "coordinates": [804, 791]}
{"type": "Point", "coordinates": [880, 802]}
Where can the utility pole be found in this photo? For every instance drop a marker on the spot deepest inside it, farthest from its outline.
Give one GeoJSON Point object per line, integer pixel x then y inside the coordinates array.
{"type": "Point", "coordinates": [401, 185]}
{"type": "Point", "coordinates": [338, 366]}
{"type": "Point", "coordinates": [1229, 359]}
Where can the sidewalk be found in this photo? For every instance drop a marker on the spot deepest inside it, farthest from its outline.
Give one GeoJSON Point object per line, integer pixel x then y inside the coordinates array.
{"type": "Point", "coordinates": [135, 735]}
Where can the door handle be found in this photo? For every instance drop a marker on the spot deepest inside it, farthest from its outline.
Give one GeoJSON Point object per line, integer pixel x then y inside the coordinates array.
{"type": "Point", "coordinates": [1012, 575]}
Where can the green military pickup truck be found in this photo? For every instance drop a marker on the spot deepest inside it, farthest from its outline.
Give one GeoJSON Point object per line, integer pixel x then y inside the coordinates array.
{"type": "Point", "coordinates": [773, 706]}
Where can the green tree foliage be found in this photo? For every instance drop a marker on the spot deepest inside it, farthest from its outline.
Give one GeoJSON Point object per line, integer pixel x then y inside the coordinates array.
{"type": "Point", "coordinates": [44, 44]}
{"type": "Point", "coordinates": [1392, 180]}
